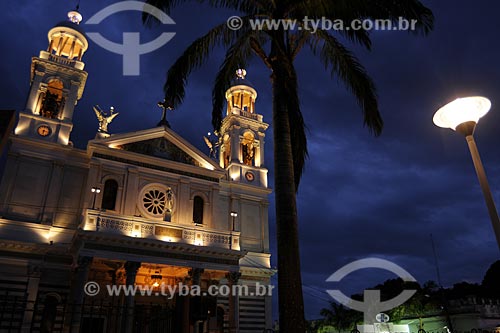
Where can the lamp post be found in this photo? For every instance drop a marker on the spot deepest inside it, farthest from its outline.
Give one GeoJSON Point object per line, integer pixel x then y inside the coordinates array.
{"type": "Point", "coordinates": [233, 216]}
{"type": "Point", "coordinates": [95, 190]}
{"type": "Point", "coordinates": [462, 115]}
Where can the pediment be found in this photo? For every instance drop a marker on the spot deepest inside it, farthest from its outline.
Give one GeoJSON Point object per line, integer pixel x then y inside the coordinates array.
{"type": "Point", "coordinates": [161, 143]}
{"type": "Point", "coordinates": [161, 148]}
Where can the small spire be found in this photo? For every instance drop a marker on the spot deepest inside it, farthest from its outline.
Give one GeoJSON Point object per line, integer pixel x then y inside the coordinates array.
{"type": "Point", "coordinates": [241, 73]}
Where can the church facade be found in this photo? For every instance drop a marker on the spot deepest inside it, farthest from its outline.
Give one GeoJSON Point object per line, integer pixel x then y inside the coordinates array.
{"type": "Point", "coordinates": [145, 210]}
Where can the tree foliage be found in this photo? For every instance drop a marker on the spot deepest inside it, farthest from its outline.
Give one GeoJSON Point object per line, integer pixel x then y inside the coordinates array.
{"type": "Point", "coordinates": [278, 48]}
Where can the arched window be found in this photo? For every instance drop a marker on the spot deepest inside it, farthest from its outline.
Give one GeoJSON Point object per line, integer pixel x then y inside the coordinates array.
{"type": "Point", "coordinates": [248, 148]}
{"type": "Point", "coordinates": [52, 99]}
{"type": "Point", "coordinates": [198, 210]}
{"type": "Point", "coordinates": [109, 194]}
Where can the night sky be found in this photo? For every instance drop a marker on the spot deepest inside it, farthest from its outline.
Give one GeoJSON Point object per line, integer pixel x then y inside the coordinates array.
{"type": "Point", "coordinates": [360, 196]}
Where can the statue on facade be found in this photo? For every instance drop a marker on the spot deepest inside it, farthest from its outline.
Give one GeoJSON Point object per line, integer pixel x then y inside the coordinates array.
{"type": "Point", "coordinates": [104, 119]}
{"type": "Point", "coordinates": [169, 205]}
{"type": "Point", "coordinates": [212, 142]}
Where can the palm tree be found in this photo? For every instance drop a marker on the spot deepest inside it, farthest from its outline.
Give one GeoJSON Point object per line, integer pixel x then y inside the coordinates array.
{"type": "Point", "coordinates": [278, 48]}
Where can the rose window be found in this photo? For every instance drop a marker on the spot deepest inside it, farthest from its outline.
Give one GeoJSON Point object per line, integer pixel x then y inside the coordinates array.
{"type": "Point", "coordinates": [154, 202]}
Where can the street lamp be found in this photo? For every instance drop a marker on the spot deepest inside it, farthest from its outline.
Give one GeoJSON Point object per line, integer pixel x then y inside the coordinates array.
{"type": "Point", "coordinates": [95, 190]}
{"type": "Point", "coordinates": [462, 115]}
{"type": "Point", "coordinates": [233, 215]}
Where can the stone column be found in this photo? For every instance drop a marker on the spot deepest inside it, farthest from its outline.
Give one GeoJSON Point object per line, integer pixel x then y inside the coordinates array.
{"type": "Point", "coordinates": [185, 315]}
{"type": "Point", "coordinates": [131, 268]}
{"type": "Point", "coordinates": [184, 203]}
{"type": "Point", "coordinates": [235, 144]}
{"type": "Point", "coordinates": [234, 311]}
{"type": "Point", "coordinates": [268, 306]}
{"type": "Point", "coordinates": [80, 276]}
{"type": "Point", "coordinates": [211, 208]}
{"type": "Point", "coordinates": [261, 149]}
{"type": "Point", "coordinates": [264, 208]}
{"type": "Point", "coordinates": [131, 190]}
{"type": "Point", "coordinates": [194, 277]}
{"type": "Point", "coordinates": [34, 274]}
{"type": "Point", "coordinates": [35, 89]}
{"type": "Point", "coordinates": [7, 186]}
{"type": "Point", "coordinates": [51, 204]}
{"type": "Point", "coordinates": [69, 104]}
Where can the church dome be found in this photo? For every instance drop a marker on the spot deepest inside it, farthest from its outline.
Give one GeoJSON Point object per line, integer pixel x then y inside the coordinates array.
{"type": "Point", "coordinates": [67, 38]}
{"type": "Point", "coordinates": [241, 95]}
{"type": "Point", "coordinates": [240, 79]}
{"type": "Point", "coordinates": [71, 25]}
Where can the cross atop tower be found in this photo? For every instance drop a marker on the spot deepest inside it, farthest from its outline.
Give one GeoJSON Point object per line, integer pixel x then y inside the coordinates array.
{"type": "Point", "coordinates": [164, 106]}
{"type": "Point", "coordinates": [75, 17]}
{"type": "Point", "coordinates": [241, 73]}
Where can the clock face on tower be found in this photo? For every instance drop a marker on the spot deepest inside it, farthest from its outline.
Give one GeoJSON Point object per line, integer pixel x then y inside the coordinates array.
{"type": "Point", "coordinates": [43, 130]}
{"type": "Point", "coordinates": [249, 176]}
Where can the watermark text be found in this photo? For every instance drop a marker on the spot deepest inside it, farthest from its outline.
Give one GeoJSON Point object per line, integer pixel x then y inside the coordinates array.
{"type": "Point", "coordinates": [325, 24]}
{"type": "Point", "coordinates": [92, 288]}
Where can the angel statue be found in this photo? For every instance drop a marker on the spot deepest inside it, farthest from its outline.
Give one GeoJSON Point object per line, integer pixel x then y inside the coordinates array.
{"type": "Point", "coordinates": [212, 142]}
{"type": "Point", "coordinates": [104, 120]}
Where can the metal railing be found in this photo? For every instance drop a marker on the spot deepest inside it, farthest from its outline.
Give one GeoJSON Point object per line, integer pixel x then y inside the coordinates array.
{"type": "Point", "coordinates": [95, 316]}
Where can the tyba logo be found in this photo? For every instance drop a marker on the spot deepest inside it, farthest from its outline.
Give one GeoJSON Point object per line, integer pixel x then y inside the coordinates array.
{"type": "Point", "coordinates": [131, 49]}
{"type": "Point", "coordinates": [372, 304]}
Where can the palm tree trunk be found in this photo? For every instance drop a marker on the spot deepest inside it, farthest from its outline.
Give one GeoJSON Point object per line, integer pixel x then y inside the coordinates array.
{"type": "Point", "coordinates": [291, 304]}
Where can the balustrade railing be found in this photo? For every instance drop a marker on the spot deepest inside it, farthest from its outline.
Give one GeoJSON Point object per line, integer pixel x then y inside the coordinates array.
{"type": "Point", "coordinates": [95, 220]}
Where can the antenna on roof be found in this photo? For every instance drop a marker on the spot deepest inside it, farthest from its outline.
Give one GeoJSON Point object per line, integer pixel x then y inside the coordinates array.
{"type": "Point", "coordinates": [436, 262]}
{"type": "Point", "coordinates": [444, 301]}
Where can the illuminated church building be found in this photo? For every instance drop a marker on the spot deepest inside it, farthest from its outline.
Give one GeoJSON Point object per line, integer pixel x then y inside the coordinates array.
{"type": "Point", "coordinates": [144, 208]}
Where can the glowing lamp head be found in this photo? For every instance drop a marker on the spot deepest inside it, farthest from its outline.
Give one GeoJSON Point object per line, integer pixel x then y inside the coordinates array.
{"type": "Point", "coordinates": [460, 111]}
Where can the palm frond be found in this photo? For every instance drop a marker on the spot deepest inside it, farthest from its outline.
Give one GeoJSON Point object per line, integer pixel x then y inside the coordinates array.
{"type": "Point", "coordinates": [361, 37]}
{"type": "Point", "coordinates": [343, 64]}
{"type": "Point", "coordinates": [296, 42]}
{"type": "Point", "coordinates": [193, 57]}
{"type": "Point", "coordinates": [257, 47]}
{"type": "Point", "coordinates": [410, 10]}
{"type": "Point", "coordinates": [349, 10]}
{"type": "Point", "coordinates": [248, 7]}
{"type": "Point", "coordinates": [303, 9]}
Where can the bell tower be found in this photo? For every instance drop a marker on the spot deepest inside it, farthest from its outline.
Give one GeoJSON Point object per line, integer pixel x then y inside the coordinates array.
{"type": "Point", "coordinates": [57, 83]}
{"type": "Point", "coordinates": [242, 134]}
